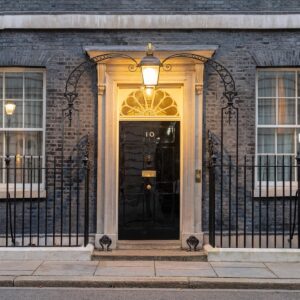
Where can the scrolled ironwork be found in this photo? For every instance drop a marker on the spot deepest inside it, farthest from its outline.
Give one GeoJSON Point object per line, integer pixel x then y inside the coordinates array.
{"type": "Point", "coordinates": [71, 93]}
{"type": "Point", "coordinates": [167, 67]}
{"type": "Point", "coordinates": [226, 77]}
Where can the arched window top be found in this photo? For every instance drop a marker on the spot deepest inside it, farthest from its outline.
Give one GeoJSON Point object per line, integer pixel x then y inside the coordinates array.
{"type": "Point", "coordinates": [159, 103]}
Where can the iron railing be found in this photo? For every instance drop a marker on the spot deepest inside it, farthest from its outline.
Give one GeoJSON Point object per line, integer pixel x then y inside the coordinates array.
{"type": "Point", "coordinates": [44, 202]}
{"type": "Point", "coordinates": [256, 203]}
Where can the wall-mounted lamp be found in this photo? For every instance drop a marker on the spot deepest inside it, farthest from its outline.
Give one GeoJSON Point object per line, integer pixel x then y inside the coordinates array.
{"type": "Point", "coordinates": [10, 108]}
{"type": "Point", "coordinates": [150, 67]}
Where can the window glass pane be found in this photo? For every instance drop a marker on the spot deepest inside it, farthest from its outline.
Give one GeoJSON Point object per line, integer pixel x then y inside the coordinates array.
{"type": "Point", "coordinates": [1, 86]}
{"type": "Point", "coordinates": [33, 143]}
{"type": "Point", "coordinates": [32, 171]}
{"type": "Point", "coordinates": [286, 111]}
{"type": "Point", "coordinates": [298, 80]}
{"type": "Point", "coordinates": [15, 120]}
{"type": "Point", "coordinates": [1, 146]}
{"type": "Point", "coordinates": [13, 86]}
{"type": "Point", "coordinates": [33, 86]}
{"type": "Point", "coordinates": [265, 167]}
{"type": "Point", "coordinates": [298, 114]}
{"type": "Point", "coordinates": [266, 140]}
{"type": "Point", "coordinates": [286, 84]}
{"type": "Point", "coordinates": [285, 168]}
{"type": "Point", "coordinates": [33, 114]}
{"type": "Point", "coordinates": [298, 139]}
{"type": "Point", "coordinates": [266, 84]}
{"type": "Point", "coordinates": [14, 143]}
{"type": "Point", "coordinates": [285, 140]}
{"type": "Point", "coordinates": [267, 111]}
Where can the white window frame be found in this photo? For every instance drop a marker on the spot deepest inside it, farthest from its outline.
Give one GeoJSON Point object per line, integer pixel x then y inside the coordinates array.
{"type": "Point", "coordinates": [281, 187]}
{"type": "Point", "coordinates": [29, 189]}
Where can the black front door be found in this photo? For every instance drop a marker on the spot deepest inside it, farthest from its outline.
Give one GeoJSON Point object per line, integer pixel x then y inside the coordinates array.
{"type": "Point", "coordinates": [149, 180]}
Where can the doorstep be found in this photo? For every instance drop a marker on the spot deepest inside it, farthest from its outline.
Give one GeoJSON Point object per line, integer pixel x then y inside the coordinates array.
{"type": "Point", "coordinates": [251, 254]}
{"type": "Point", "coordinates": [149, 255]}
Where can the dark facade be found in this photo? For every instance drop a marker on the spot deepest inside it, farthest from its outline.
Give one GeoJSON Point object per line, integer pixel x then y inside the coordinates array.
{"type": "Point", "coordinates": [109, 7]}
{"type": "Point", "coordinates": [242, 52]}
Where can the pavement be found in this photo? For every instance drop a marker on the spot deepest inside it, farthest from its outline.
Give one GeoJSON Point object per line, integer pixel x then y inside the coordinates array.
{"type": "Point", "coordinates": [146, 274]}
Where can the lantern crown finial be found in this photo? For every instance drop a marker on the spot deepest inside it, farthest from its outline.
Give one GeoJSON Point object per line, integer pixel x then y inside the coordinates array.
{"type": "Point", "coordinates": [150, 49]}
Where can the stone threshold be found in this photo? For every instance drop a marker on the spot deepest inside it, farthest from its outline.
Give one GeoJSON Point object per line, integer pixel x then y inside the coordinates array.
{"type": "Point", "coordinates": [150, 255]}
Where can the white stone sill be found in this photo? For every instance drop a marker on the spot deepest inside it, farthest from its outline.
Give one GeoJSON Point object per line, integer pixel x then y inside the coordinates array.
{"type": "Point", "coordinates": [47, 253]}
{"type": "Point", "coordinates": [151, 21]}
{"type": "Point", "coordinates": [251, 254]}
{"type": "Point", "coordinates": [19, 194]}
{"type": "Point", "coordinates": [270, 192]}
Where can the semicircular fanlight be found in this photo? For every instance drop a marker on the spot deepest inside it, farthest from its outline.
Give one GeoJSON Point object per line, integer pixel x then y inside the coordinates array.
{"type": "Point", "coordinates": [139, 104]}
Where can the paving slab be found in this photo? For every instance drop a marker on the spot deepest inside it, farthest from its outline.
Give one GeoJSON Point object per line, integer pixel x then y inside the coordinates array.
{"type": "Point", "coordinates": [285, 270]}
{"type": "Point", "coordinates": [126, 263]}
{"type": "Point", "coordinates": [12, 265]}
{"type": "Point", "coordinates": [125, 271]}
{"type": "Point", "coordinates": [182, 265]}
{"type": "Point", "coordinates": [237, 264]}
{"type": "Point", "coordinates": [83, 268]}
{"type": "Point", "coordinates": [15, 273]}
{"type": "Point", "coordinates": [185, 272]}
{"type": "Point", "coordinates": [244, 272]}
{"type": "Point", "coordinates": [167, 268]}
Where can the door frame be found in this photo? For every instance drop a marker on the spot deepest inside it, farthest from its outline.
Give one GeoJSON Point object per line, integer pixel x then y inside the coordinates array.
{"type": "Point", "coordinates": [186, 73]}
{"type": "Point", "coordinates": [175, 86]}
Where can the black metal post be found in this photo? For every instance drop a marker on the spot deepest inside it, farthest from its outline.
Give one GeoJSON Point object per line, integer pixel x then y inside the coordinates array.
{"type": "Point", "coordinates": [298, 195]}
{"type": "Point", "coordinates": [86, 202]}
{"type": "Point", "coordinates": [212, 200]}
{"type": "Point", "coordinates": [8, 199]}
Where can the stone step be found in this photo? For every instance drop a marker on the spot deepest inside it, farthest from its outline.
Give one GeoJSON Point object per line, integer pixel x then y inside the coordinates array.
{"type": "Point", "coordinates": [159, 255]}
{"type": "Point", "coordinates": [148, 245]}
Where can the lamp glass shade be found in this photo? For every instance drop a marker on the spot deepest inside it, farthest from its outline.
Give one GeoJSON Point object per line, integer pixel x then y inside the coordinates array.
{"type": "Point", "coordinates": [150, 75]}
{"type": "Point", "coordinates": [10, 108]}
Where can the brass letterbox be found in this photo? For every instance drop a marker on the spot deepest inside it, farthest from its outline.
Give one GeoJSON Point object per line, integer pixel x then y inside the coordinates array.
{"type": "Point", "coordinates": [148, 173]}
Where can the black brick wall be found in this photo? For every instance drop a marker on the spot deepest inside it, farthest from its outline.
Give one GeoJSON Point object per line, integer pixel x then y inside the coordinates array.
{"type": "Point", "coordinates": [240, 51]}
{"type": "Point", "coordinates": [168, 6]}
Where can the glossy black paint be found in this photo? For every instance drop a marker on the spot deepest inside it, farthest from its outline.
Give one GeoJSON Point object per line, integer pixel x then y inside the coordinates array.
{"type": "Point", "coordinates": [149, 206]}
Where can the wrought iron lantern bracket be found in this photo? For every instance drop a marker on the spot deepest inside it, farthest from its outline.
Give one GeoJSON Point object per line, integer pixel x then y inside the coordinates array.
{"type": "Point", "coordinates": [71, 93]}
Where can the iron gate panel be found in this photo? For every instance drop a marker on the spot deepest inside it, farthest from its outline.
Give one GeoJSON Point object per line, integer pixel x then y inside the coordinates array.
{"type": "Point", "coordinates": [149, 180]}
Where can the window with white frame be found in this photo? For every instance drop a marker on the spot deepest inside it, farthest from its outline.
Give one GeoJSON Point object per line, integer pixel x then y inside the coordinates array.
{"type": "Point", "coordinates": [22, 124]}
{"type": "Point", "coordinates": [278, 123]}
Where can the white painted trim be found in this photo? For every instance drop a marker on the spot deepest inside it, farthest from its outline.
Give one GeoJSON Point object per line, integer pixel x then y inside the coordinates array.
{"type": "Point", "coordinates": [42, 129]}
{"type": "Point", "coordinates": [151, 21]}
{"type": "Point", "coordinates": [251, 254]}
{"type": "Point", "coordinates": [280, 189]}
{"type": "Point", "coordinates": [117, 75]}
{"type": "Point", "coordinates": [47, 253]}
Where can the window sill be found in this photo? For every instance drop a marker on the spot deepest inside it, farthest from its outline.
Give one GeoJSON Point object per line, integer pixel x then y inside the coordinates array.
{"type": "Point", "coordinates": [280, 191]}
{"type": "Point", "coordinates": [19, 194]}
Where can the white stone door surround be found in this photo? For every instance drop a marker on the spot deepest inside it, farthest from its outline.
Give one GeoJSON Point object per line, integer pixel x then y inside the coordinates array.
{"type": "Point", "coordinates": [114, 73]}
